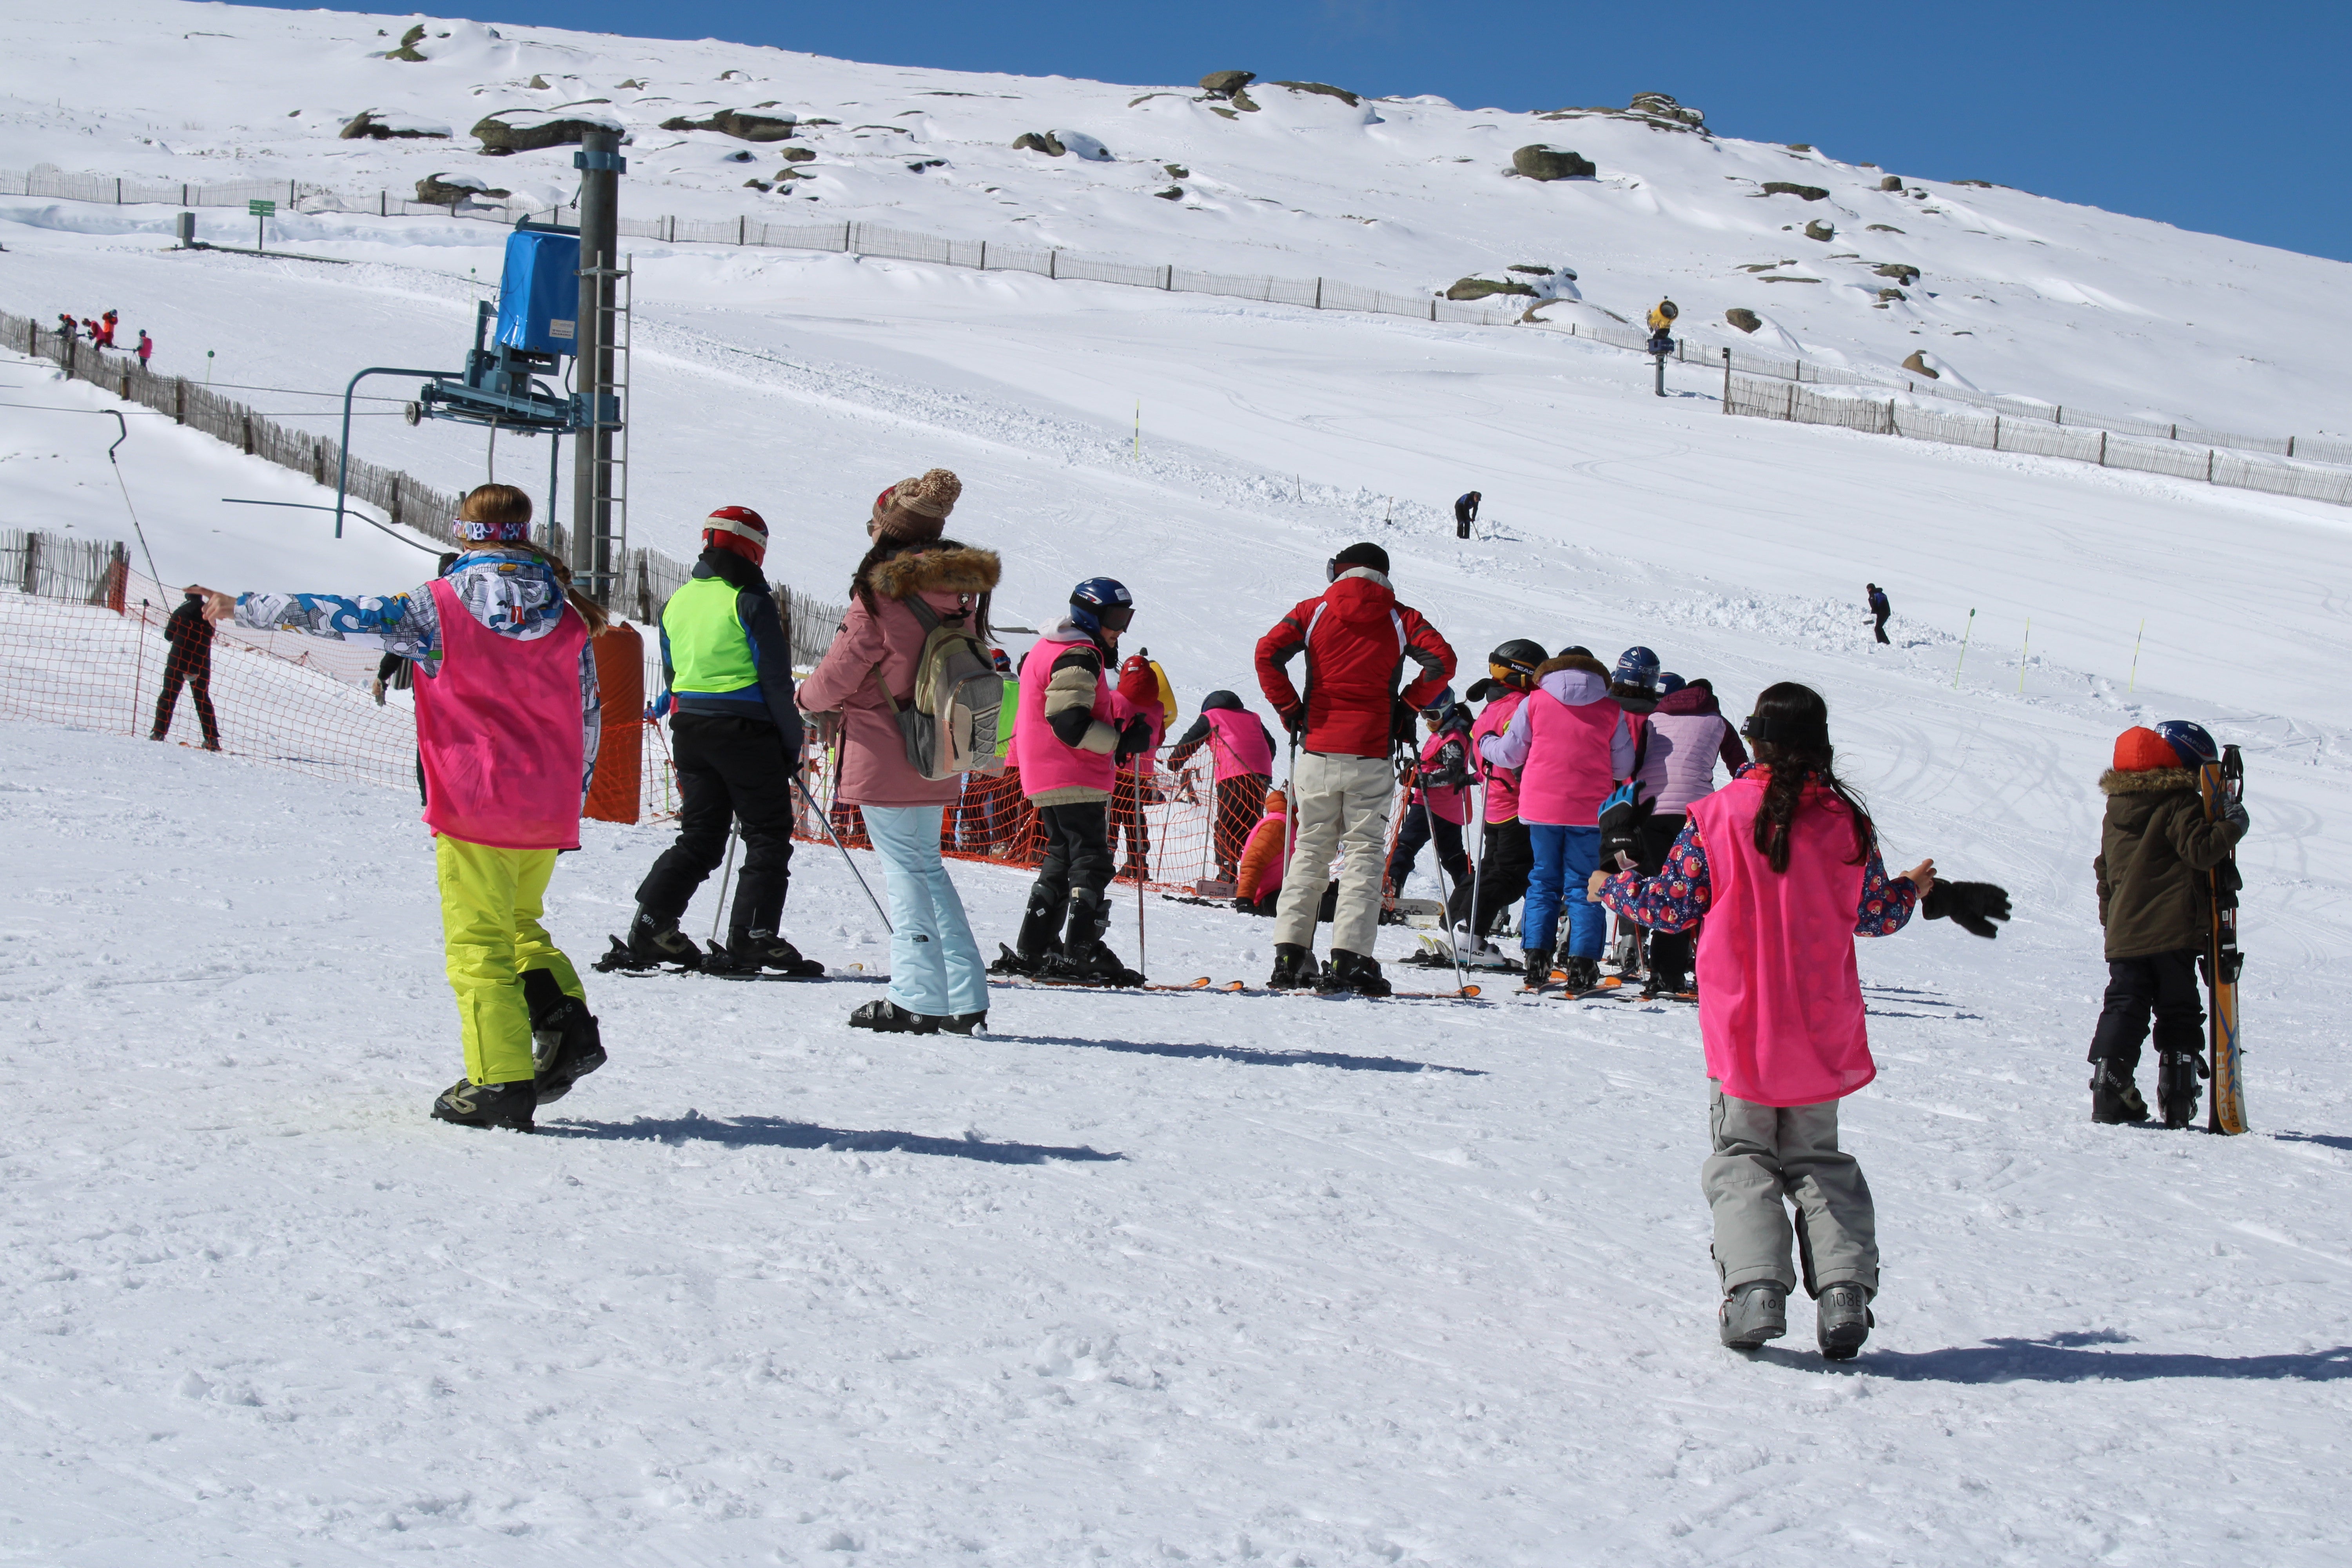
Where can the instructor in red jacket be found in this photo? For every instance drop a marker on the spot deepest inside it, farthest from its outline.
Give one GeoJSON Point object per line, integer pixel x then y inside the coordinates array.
{"type": "Point", "coordinates": [1358, 642]}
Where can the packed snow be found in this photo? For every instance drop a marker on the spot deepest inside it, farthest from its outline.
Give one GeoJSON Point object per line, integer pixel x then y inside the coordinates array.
{"type": "Point", "coordinates": [1157, 1277]}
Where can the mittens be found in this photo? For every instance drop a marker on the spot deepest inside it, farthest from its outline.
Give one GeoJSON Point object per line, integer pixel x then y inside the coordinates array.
{"type": "Point", "coordinates": [1972, 906]}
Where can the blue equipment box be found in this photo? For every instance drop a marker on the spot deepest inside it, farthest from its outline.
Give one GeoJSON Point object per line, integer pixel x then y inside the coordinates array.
{"type": "Point", "coordinates": [539, 294]}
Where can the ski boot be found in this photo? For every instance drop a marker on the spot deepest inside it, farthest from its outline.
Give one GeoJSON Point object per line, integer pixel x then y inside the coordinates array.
{"type": "Point", "coordinates": [1754, 1312]}
{"type": "Point", "coordinates": [1084, 957]}
{"type": "Point", "coordinates": [1538, 961]}
{"type": "Point", "coordinates": [2178, 1074]}
{"type": "Point", "coordinates": [966, 1022]}
{"type": "Point", "coordinates": [1583, 974]}
{"type": "Point", "coordinates": [1673, 987]}
{"type": "Point", "coordinates": [565, 1044]}
{"type": "Point", "coordinates": [1295, 968]}
{"type": "Point", "coordinates": [1626, 951]}
{"type": "Point", "coordinates": [1357, 972]}
{"type": "Point", "coordinates": [887, 1017]}
{"type": "Point", "coordinates": [653, 941]}
{"type": "Point", "coordinates": [1040, 925]}
{"type": "Point", "coordinates": [471, 1104]}
{"type": "Point", "coordinates": [2115, 1098]}
{"type": "Point", "coordinates": [749, 952]}
{"type": "Point", "coordinates": [1843, 1320]}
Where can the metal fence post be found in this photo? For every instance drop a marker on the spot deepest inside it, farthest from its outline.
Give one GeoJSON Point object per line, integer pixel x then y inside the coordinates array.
{"type": "Point", "coordinates": [1996, 432]}
{"type": "Point", "coordinates": [2103, 448]}
{"type": "Point", "coordinates": [1051, 260]}
{"type": "Point", "coordinates": [743, 226]}
{"type": "Point", "coordinates": [1726, 381]}
{"type": "Point", "coordinates": [1319, 293]}
{"type": "Point", "coordinates": [2209, 464]}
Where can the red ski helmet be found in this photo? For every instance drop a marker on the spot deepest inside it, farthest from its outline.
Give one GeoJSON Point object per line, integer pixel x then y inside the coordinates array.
{"type": "Point", "coordinates": [739, 529]}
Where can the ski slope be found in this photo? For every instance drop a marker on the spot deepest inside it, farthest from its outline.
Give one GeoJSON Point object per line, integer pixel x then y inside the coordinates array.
{"type": "Point", "coordinates": [1154, 1277]}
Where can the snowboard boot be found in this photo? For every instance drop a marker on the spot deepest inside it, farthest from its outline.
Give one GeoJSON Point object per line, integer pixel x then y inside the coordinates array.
{"type": "Point", "coordinates": [749, 952]}
{"type": "Point", "coordinates": [2176, 1077]}
{"type": "Point", "coordinates": [1583, 974]}
{"type": "Point", "coordinates": [1843, 1320]}
{"type": "Point", "coordinates": [887, 1017]}
{"type": "Point", "coordinates": [1294, 967]}
{"type": "Point", "coordinates": [1357, 972]}
{"type": "Point", "coordinates": [471, 1104]}
{"type": "Point", "coordinates": [2115, 1098]}
{"type": "Point", "coordinates": [1041, 927]}
{"type": "Point", "coordinates": [565, 1044]}
{"type": "Point", "coordinates": [1757, 1311]}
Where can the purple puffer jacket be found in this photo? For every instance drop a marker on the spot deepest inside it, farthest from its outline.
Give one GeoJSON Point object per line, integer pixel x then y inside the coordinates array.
{"type": "Point", "coordinates": [1687, 735]}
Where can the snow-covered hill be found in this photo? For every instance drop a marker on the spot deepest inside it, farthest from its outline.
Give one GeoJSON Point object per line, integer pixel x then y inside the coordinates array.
{"type": "Point", "coordinates": [2014, 293]}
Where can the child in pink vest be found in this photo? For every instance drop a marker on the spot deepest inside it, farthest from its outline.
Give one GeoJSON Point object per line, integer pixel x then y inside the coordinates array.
{"type": "Point", "coordinates": [1783, 864]}
{"type": "Point", "coordinates": [507, 722]}
{"type": "Point", "coordinates": [1242, 750]}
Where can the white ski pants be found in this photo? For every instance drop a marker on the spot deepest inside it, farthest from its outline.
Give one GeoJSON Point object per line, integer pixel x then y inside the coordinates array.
{"type": "Point", "coordinates": [1766, 1157]}
{"type": "Point", "coordinates": [1339, 803]}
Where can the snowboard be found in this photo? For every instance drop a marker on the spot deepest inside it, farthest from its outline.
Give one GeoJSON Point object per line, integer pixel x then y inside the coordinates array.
{"type": "Point", "coordinates": [2217, 782]}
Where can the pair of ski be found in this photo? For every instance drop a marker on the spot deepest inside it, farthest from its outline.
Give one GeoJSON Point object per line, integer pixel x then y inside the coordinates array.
{"type": "Point", "coordinates": [619, 960]}
{"type": "Point", "coordinates": [2218, 784]}
{"type": "Point", "coordinates": [1228, 988]}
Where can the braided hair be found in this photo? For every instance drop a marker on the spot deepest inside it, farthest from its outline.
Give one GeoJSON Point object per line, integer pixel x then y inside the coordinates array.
{"type": "Point", "coordinates": [1790, 729]}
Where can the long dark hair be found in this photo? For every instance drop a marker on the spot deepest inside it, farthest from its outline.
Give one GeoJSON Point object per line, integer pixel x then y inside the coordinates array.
{"type": "Point", "coordinates": [1790, 729]}
{"type": "Point", "coordinates": [861, 581]}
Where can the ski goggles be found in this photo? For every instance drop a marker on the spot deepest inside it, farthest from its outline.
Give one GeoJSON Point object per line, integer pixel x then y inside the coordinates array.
{"type": "Point", "coordinates": [490, 533]}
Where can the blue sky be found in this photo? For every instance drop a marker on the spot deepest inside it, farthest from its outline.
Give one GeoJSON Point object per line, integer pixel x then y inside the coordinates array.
{"type": "Point", "coordinates": [2233, 119]}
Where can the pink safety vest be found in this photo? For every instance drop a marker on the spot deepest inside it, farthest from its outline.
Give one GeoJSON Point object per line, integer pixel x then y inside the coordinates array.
{"type": "Point", "coordinates": [497, 727]}
{"type": "Point", "coordinates": [1447, 803]}
{"type": "Point", "coordinates": [1569, 771]}
{"type": "Point", "coordinates": [1502, 789]}
{"type": "Point", "coordinates": [1239, 743]}
{"type": "Point", "coordinates": [1779, 1000]}
{"type": "Point", "coordinates": [1046, 763]}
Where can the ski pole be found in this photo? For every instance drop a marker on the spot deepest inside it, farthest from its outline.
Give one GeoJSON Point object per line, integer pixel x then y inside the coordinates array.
{"type": "Point", "coordinates": [1477, 867]}
{"type": "Point", "coordinates": [1445, 896]}
{"type": "Point", "coordinates": [2135, 669]}
{"type": "Point", "coordinates": [726, 875]}
{"type": "Point", "coordinates": [1964, 649]}
{"type": "Point", "coordinates": [2021, 655]}
{"type": "Point", "coordinates": [825, 822]}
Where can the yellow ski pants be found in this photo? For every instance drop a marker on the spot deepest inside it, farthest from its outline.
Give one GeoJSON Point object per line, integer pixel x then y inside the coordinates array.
{"type": "Point", "coordinates": [491, 905]}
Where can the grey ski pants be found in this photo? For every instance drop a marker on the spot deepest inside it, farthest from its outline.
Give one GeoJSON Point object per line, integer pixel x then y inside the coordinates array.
{"type": "Point", "coordinates": [1339, 803]}
{"type": "Point", "coordinates": [1766, 1157]}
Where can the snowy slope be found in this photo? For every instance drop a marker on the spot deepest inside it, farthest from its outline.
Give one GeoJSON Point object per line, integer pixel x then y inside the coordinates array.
{"type": "Point", "coordinates": [2018, 294]}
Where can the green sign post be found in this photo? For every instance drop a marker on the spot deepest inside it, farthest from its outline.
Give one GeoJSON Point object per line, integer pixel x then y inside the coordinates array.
{"type": "Point", "coordinates": [261, 212]}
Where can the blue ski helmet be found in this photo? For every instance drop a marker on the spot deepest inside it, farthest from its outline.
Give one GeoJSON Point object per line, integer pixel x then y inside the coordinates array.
{"type": "Point", "coordinates": [1669, 683]}
{"type": "Point", "coordinates": [1439, 703]}
{"type": "Point", "coordinates": [1637, 667]}
{"type": "Point", "coordinates": [1101, 603]}
{"type": "Point", "coordinates": [2190, 742]}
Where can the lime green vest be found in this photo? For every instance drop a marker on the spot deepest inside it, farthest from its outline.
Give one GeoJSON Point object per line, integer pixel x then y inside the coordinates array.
{"type": "Point", "coordinates": [708, 652]}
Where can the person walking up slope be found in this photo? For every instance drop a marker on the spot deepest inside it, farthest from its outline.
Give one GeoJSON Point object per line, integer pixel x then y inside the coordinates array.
{"type": "Point", "coordinates": [911, 579]}
{"type": "Point", "coordinates": [188, 632]}
{"type": "Point", "coordinates": [736, 738]}
{"type": "Point", "coordinates": [508, 724]}
{"type": "Point", "coordinates": [1358, 641]}
{"type": "Point", "coordinates": [2155, 849]}
{"type": "Point", "coordinates": [1783, 864]}
{"type": "Point", "coordinates": [1073, 732]}
{"type": "Point", "coordinates": [1570, 744]}
{"type": "Point", "coordinates": [1879, 610]}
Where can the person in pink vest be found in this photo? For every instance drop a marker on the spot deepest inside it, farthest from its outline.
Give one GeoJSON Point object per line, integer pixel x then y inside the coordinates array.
{"type": "Point", "coordinates": [1783, 865]}
{"type": "Point", "coordinates": [507, 722]}
{"type": "Point", "coordinates": [1241, 751]}
{"type": "Point", "coordinates": [1682, 741]}
{"type": "Point", "coordinates": [938, 979]}
{"type": "Point", "coordinates": [1439, 804]}
{"type": "Point", "coordinates": [1499, 876]}
{"type": "Point", "coordinates": [1073, 732]}
{"type": "Point", "coordinates": [1570, 745]}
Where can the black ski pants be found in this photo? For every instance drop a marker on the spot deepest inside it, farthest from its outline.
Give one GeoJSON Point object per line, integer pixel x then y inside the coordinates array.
{"type": "Point", "coordinates": [1504, 859]}
{"type": "Point", "coordinates": [197, 670]}
{"type": "Point", "coordinates": [2163, 984]}
{"type": "Point", "coordinates": [728, 770]}
{"type": "Point", "coordinates": [1077, 852]}
{"type": "Point", "coordinates": [1241, 801]}
{"type": "Point", "coordinates": [1669, 951]}
{"type": "Point", "coordinates": [1878, 623]}
{"type": "Point", "coordinates": [1420, 826]}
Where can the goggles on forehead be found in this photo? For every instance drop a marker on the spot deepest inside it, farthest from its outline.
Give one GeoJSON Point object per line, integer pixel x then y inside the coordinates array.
{"type": "Point", "coordinates": [490, 533]}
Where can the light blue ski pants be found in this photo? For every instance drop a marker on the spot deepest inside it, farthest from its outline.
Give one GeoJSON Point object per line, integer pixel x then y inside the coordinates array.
{"type": "Point", "coordinates": [935, 964]}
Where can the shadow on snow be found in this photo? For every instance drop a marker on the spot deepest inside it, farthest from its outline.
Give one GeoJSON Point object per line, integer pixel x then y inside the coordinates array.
{"type": "Point", "coordinates": [1244, 1055]}
{"type": "Point", "coordinates": [2065, 1358]}
{"type": "Point", "coordinates": [774, 1132]}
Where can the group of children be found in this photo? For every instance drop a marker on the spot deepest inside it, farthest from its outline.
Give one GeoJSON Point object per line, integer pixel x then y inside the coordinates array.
{"type": "Point", "coordinates": [101, 333]}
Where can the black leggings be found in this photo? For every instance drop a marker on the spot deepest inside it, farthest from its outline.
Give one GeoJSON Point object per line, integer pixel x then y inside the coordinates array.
{"type": "Point", "coordinates": [2163, 984]}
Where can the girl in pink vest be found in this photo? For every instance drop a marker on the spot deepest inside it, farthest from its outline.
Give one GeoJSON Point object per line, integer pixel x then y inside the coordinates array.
{"type": "Point", "coordinates": [1570, 744]}
{"type": "Point", "coordinates": [507, 720]}
{"type": "Point", "coordinates": [1241, 749]}
{"type": "Point", "coordinates": [1783, 864]}
{"type": "Point", "coordinates": [1499, 875]}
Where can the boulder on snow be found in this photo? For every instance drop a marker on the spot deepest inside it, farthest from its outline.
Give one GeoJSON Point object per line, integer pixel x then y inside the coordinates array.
{"type": "Point", "coordinates": [1662, 106]}
{"type": "Point", "coordinates": [408, 42]}
{"type": "Point", "coordinates": [1326, 88]}
{"type": "Point", "coordinates": [1225, 84]}
{"type": "Point", "coordinates": [743, 124]}
{"type": "Point", "coordinates": [1083, 146]}
{"type": "Point", "coordinates": [1044, 142]}
{"type": "Point", "coordinates": [1746, 320]}
{"type": "Point", "coordinates": [528, 129]}
{"type": "Point", "coordinates": [1822, 231]}
{"type": "Point", "coordinates": [1888, 296]}
{"type": "Point", "coordinates": [1542, 161]}
{"type": "Point", "coordinates": [383, 125]}
{"type": "Point", "coordinates": [1892, 183]}
{"type": "Point", "coordinates": [1172, 194]}
{"type": "Point", "coordinates": [800, 154]}
{"type": "Point", "coordinates": [1785, 188]}
{"type": "Point", "coordinates": [448, 190]}
{"type": "Point", "coordinates": [1902, 271]}
{"type": "Point", "coordinates": [1532, 269]}
{"type": "Point", "coordinates": [1482, 288]}
{"type": "Point", "coordinates": [1918, 366]}
{"type": "Point", "coordinates": [1657, 110]}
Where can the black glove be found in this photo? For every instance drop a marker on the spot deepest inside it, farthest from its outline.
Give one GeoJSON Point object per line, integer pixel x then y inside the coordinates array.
{"type": "Point", "coordinates": [1972, 906]}
{"type": "Point", "coordinates": [1622, 816]}
{"type": "Point", "coordinates": [1481, 689]}
{"type": "Point", "coordinates": [1294, 720]}
{"type": "Point", "coordinates": [1400, 722]}
{"type": "Point", "coordinates": [1134, 739]}
{"type": "Point", "coordinates": [2234, 810]}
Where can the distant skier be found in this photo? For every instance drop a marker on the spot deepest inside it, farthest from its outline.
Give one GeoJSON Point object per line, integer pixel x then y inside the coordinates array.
{"type": "Point", "coordinates": [1242, 751]}
{"type": "Point", "coordinates": [1359, 641]}
{"type": "Point", "coordinates": [1662, 326]}
{"type": "Point", "coordinates": [188, 631]}
{"type": "Point", "coordinates": [2155, 849]}
{"type": "Point", "coordinates": [1879, 610]}
{"type": "Point", "coordinates": [508, 720]}
{"type": "Point", "coordinates": [106, 325]}
{"type": "Point", "coordinates": [146, 350]}
{"type": "Point", "coordinates": [1439, 804]}
{"type": "Point", "coordinates": [1074, 734]}
{"type": "Point", "coordinates": [1783, 864]}
{"type": "Point", "coordinates": [1465, 512]}
{"type": "Point", "coordinates": [736, 739]}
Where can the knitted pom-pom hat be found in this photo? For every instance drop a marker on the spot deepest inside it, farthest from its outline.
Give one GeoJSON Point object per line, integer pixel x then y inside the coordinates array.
{"type": "Point", "coordinates": [915, 510]}
{"type": "Point", "coordinates": [2139, 751]}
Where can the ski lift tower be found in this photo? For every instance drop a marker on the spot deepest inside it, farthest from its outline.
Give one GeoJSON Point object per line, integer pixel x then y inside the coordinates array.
{"type": "Point", "coordinates": [600, 456]}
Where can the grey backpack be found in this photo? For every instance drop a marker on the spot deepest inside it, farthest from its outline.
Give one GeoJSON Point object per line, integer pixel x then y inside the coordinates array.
{"type": "Point", "coordinates": [950, 727]}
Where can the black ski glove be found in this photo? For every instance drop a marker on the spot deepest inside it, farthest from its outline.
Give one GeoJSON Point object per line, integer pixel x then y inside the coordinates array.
{"type": "Point", "coordinates": [1400, 722]}
{"type": "Point", "coordinates": [1294, 720]}
{"type": "Point", "coordinates": [1481, 689]}
{"type": "Point", "coordinates": [2234, 811]}
{"type": "Point", "coordinates": [1135, 739]}
{"type": "Point", "coordinates": [1972, 906]}
{"type": "Point", "coordinates": [1622, 816]}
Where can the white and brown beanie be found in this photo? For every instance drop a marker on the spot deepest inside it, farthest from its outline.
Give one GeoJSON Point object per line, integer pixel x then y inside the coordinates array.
{"type": "Point", "coordinates": [915, 511]}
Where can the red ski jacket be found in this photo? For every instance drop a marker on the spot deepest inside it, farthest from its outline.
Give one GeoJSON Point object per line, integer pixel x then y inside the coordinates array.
{"type": "Point", "coordinates": [1359, 641]}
